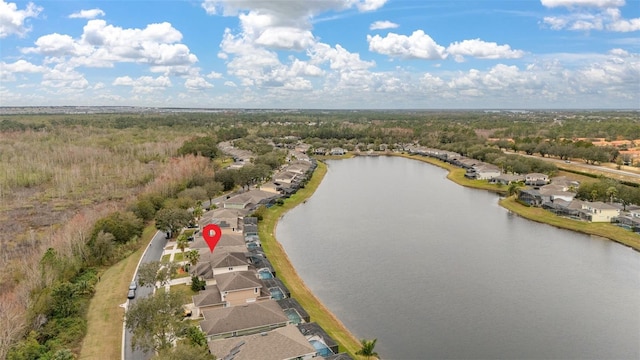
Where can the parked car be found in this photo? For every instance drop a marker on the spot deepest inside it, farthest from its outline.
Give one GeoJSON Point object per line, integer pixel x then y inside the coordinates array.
{"type": "Point", "coordinates": [133, 285]}
{"type": "Point", "coordinates": [131, 294]}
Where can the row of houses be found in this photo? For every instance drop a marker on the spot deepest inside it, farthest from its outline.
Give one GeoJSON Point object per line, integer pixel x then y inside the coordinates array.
{"type": "Point", "coordinates": [245, 310]}
{"type": "Point", "coordinates": [556, 195]}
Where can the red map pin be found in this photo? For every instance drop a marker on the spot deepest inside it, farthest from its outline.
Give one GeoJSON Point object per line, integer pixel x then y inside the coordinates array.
{"type": "Point", "coordinates": [211, 234]}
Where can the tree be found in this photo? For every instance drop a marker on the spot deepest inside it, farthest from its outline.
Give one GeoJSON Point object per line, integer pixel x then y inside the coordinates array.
{"type": "Point", "coordinates": [213, 188]}
{"type": "Point", "coordinates": [156, 274]}
{"type": "Point", "coordinates": [182, 242]}
{"type": "Point", "coordinates": [204, 146]}
{"type": "Point", "coordinates": [513, 188]}
{"type": "Point", "coordinates": [123, 225]}
{"type": "Point", "coordinates": [612, 193]}
{"type": "Point", "coordinates": [197, 284]}
{"type": "Point", "coordinates": [171, 220]}
{"type": "Point", "coordinates": [196, 337]}
{"type": "Point", "coordinates": [102, 249]}
{"type": "Point", "coordinates": [185, 351]}
{"type": "Point", "coordinates": [155, 321]}
{"type": "Point", "coordinates": [193, 256]}
{"type": "Point", "coordinates": [367, 348]}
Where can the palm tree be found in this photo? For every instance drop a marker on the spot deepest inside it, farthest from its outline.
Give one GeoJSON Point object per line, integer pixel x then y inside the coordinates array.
{"type": "Point", "coordinates": [513, 188]}
{"type": "Point", "coordinates": [182, 242]}
{"type": "Point", "coordinates": [193, 256]}
{"type": "Point", "coordinates": [367, 348]}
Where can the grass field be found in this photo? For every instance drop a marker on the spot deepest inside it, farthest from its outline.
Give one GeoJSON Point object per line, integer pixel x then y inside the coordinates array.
{"type": "Point", "coordinates": [105, 314]}
{"type": "Point", "coordinates": [286, 272]}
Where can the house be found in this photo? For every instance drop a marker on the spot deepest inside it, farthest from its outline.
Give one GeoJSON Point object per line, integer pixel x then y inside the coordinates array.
{"type": "Point", "coordinates": [530, 196]}
{"type": "Point", "coordinates": [507, 179]}
{"type": "Point", "coordinates": [247, 319]}
{"type": "Point", "coordinates": [208, 298]}
{"type": "Point", "coordinates": [598, 211]}
{"type": "Point", "coordinates": [219, 262]}
{"type": "Point", "coordinates": [225, 218]}
{"type": "Point", "coordinates": [229, 242]}
{"type": "Point", "coordinates": [486, 171]}
{"type": "Point", "coordinates": [286, 177]}
{"type": "Point", "coordinates": [240, 287]}
{"type": "Point", "coordinates": [320, 151]}
{"type": "Point", "coordinates": [338, 151]}
{"type": "Point", "coordinates": [536, 179]}
{"type": "Point", "coordinates": [284, 343]}
{"type": "Point", "coordinates": [248, 200]}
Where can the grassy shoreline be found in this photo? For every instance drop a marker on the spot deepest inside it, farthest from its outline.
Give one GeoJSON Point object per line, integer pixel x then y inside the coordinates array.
{"type": "Point", "coordinates": [604, 230]}
{"type": "Point", "coordinates": [287, 273]}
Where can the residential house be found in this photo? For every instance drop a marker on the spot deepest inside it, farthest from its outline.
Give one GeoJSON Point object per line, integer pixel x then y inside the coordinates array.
{"type": "Point", "coordinates": [241, 287]}
{"type": "Point", "coordinates": [249, 200]}
{"type": "Point", "coordinates": [219, 262]}
{"type": "Point", "coordinates": [320, 151]}
{"type": "Point", "coordinates": [338, 151]}
{"type": "Point", "coordinates": [536, 179]}
{"type": "Point", "coordinates": [286, 177]}
{"type": "Point", "coordinates": [598, 211]}
{"type": "Point", "coordinates": [208, 298]}
{"type": "Point", "coordinates": [251, 318]}
{"type": "Point", "coordinates": [486, 171]}
{"type": "Point", "coordinates": [507, 179]}
{"type": "Point", "coordinates": [284, 343]}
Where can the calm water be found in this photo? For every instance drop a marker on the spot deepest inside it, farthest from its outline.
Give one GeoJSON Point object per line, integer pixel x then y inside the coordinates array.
{"type": "Point", "coordinates": [436, 270]}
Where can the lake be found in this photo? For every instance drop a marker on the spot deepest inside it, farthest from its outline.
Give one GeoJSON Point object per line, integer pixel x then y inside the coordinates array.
{"type": "Point", "coordinates": [435, 270]}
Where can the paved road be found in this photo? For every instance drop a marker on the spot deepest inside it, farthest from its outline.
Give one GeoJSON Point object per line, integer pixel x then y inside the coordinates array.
{"type": "Point", "coordinates": [152, 253]}
{"type": "Point", "coordinates": [635, 176]}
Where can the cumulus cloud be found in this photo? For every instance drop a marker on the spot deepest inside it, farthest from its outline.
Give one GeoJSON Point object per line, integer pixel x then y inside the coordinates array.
{"type": "Point", "coordinates": [381, 25]}
{"type": "Point", "coordinates": [588, 15]}
{"type": "Point", "coordinates": [9, 70]}
{"type": "Point", "coordinates": [197, 83]}
{"type": "Point", "coordinates": [87, 14]}
{"type": "Point", "coordinates": [482, 50]}
{"type": "Point", "coordinates": [583, 3]}
{"type": "Point", "coordinates": [417, 46]}
{"type": "Point", "coordinates": [13, 20]}
{"type": "Point", "coordinates": [102, 45]}
{"type": "Point", "coordinates": [143, 84]}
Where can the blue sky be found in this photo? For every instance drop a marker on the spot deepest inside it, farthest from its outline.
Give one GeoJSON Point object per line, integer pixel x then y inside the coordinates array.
{"type": "Point", "coordinates": [322, 54]}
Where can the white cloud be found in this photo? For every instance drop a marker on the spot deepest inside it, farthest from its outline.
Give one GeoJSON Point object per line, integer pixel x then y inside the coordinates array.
{"type": "Point", "coordinates": [87, 14]}
{"type": "Point", "coordinates": [370, 5]}
{"type": "Point", "coordinates": [143, 84]}
{"type": "Point", "coordinates": [417, 46]}
{"type": "Point", "coordinates": [102, 45]}
{"type": "Point", "coordinates": [214, 75]}
{"type": "Point", "coordinates": [63, 76]}
{"type": "Point", "coordinates": [482, 50]}
{"type": "Point", "coordinates": [8, 71]}
{"type": "Point", "coordinates": [605, 15]}
{"type": "Point", "coordinates": [584, 3]}
{"type": "Point", "coordinates": [13, 20]}
{"type": "Point", "coordinates": [381, 25]}
{"type": "Point", "coordinates": [197, 83]}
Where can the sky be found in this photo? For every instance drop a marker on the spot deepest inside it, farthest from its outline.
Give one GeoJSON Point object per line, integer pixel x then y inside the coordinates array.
{"type": "Point", "coordinates": [321, 54]}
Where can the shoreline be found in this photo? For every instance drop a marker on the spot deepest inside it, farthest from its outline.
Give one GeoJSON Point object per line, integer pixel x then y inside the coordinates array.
{"type": "Point", "coordinates": [319, 313]}
{"type": "Point", "coordinates": [604, 230]}
{"type": "Point", "coordinates": [326, 319]}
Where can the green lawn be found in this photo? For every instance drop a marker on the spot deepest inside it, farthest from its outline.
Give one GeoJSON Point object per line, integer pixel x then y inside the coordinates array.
{"type": "Point", "coordinates": [105, 315]}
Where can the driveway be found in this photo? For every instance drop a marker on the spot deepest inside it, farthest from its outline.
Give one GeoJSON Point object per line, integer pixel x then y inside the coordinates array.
{"type": "Point", "coordinates": [152, 253]}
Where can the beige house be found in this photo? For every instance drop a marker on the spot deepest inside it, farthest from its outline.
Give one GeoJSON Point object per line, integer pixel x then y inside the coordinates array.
{"type": "Point", "coordinates": [284, 343]}
{"type": "Point", "coordinates": [241, 287]}
{"type": "Point", "coordinates": [599, 211]}
{"type": "Point", "coordinates": [220, 323]}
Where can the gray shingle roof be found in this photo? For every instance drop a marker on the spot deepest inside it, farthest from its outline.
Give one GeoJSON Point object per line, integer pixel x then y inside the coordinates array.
{"type": "Point", "coordinates": [242, 317]}
{"type": "Point", "coordinates": [238, 280]}
{"type": "Point", "coordinates": [282, 343]}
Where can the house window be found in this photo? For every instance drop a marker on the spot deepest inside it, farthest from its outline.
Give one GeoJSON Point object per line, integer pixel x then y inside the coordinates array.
{"type": "Point", "coordinates": [230, 269]}
{"type": "Point", "coordinates": [255, 290]}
